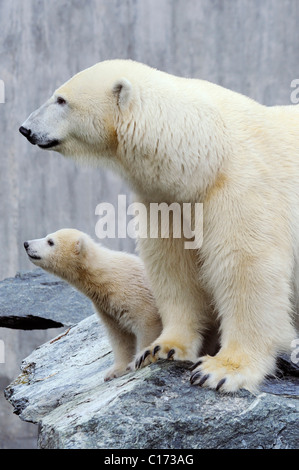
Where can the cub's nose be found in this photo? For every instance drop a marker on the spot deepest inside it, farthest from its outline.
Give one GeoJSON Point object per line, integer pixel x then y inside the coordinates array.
{"type": "Point", "coordinates": [26, 245]}
{"type": "Point", "coordinates": [25, 132]}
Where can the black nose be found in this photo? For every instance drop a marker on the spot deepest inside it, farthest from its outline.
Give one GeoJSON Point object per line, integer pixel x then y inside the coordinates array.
{"type": "Point", "coordinates": [26, 245]}
{"type": "Point", "coordinates": [25, 132]}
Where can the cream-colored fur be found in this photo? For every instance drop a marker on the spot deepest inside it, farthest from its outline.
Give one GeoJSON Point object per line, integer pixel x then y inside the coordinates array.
{"type": "Point", "coordinates": [183, 140]}
{"type": "Point", "coordinates": [114, 281]}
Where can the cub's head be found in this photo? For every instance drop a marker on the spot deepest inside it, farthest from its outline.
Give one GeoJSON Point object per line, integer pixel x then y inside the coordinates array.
{"type": "Point", "coordinates": [62, 253]}
{"type": "Point", "coordinates": [79, 119]}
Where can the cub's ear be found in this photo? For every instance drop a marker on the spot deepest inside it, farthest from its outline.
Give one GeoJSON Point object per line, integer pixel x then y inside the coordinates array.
{"type": "Point", "coordinates": [80, 246]}
{"type": "Point", "coordinates": [122, 91]}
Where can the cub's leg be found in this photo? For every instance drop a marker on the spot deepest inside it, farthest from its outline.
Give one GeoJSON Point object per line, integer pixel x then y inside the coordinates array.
{"type": "Point", "coordinates": [181, 303]}
{"type": "Point", "coordinates": [123, 347]}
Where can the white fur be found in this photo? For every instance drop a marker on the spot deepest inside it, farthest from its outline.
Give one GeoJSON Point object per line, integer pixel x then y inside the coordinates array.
{"type": "Point", "coordinates": [182, 140]}
{"type": "Point", "coordinates": [114, 281]}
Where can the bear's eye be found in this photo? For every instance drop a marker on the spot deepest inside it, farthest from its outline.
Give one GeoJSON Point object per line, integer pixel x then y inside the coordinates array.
{"type": "Point", "coordinates": [50, 242]}
{"type": "Point", "coordinates": [60, 100]}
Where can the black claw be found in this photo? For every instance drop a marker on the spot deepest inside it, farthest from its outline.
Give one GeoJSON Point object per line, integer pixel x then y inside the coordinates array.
{"type": "Point", "coordinates": [137, 363]}
{"type": "Point", "coordinates": [198, 363]}
{"type": "Point", "coordinates": [220, 383]}
{"type": "Point", "coordinates": [140, 362]}
{"type": "Point", "coordinates": [202, 381]}
{"type": "Point", "coordinates": [156, 349]}
{"type": "Point", "coordinates": [147, 353]}
{"type": "Point", "coordinates": [194, 377]}
{"type": "Point", "coordinates": [170, 354]}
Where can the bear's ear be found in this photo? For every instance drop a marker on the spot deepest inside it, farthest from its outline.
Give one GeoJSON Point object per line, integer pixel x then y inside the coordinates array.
{"type": "Point", "coordinates": [80, 246]}
{"type": "Point", "coordinates": [122, 90]}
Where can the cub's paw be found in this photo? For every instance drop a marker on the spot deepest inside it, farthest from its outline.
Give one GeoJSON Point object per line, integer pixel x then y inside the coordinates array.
{"type": "Point", "coordinates": [225, 374]}
{"type": "Point", "coordinates": [117, 371]}
{"type": "Point", "coordinates": [164, 350]}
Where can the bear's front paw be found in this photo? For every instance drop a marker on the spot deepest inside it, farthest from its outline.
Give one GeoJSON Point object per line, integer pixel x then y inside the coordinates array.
{"type": "Point", "coordinates": [164, 350]}
{"type": "Point", "coordinates": [227, 374]}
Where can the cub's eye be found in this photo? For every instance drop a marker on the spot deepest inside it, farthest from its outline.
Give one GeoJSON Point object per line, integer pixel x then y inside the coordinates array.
{"type": "Point", "coordinates": [60, 100]}
{"type": "Point", "coordinates": [50, 242]}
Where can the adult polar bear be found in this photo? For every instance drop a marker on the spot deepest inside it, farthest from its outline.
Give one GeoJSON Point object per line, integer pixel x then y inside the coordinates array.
{"type": "Point", "coordinates": [185, 140]}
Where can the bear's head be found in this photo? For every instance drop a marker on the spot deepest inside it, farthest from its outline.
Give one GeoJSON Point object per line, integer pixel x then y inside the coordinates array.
{"type": "Point", "coordinates": [156, 130]}
{"type": "Point", "coordinates": [62, 253]}
{"type": "Point", "coordinates": [79, 119]}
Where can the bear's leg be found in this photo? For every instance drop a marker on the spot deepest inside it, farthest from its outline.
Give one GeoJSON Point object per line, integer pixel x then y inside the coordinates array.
{"type": "Point", "coordinates": [180, 300]}
{"type": "Point", "coordinates": [123, 347]}
{"type": "Point", "coordinates": [252, 295]}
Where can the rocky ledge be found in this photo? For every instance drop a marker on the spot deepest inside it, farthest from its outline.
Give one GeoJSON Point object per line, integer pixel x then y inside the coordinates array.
{"type": "Point", "coordinates": [37, 300]}
{"type": "Point", "coordinates": [61, 388]}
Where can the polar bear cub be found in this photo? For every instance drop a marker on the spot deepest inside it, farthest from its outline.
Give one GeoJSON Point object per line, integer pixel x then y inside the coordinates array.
{"type": "Point", "coordinates": [114, 281]}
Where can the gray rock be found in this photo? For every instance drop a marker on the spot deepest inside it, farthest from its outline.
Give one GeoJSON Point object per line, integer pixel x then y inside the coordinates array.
{"type": "Point", "coordinates": [37, 300]}
{"type": "Point", "coordinates": [61, 388]}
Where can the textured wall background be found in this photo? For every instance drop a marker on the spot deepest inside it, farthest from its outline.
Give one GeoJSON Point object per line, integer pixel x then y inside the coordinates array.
{"type": "Point", "coordinates": [249, 46]}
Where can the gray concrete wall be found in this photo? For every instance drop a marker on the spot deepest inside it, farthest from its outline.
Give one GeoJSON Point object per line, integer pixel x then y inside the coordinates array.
{"type": "Point", "coordinates": [250, 46]}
